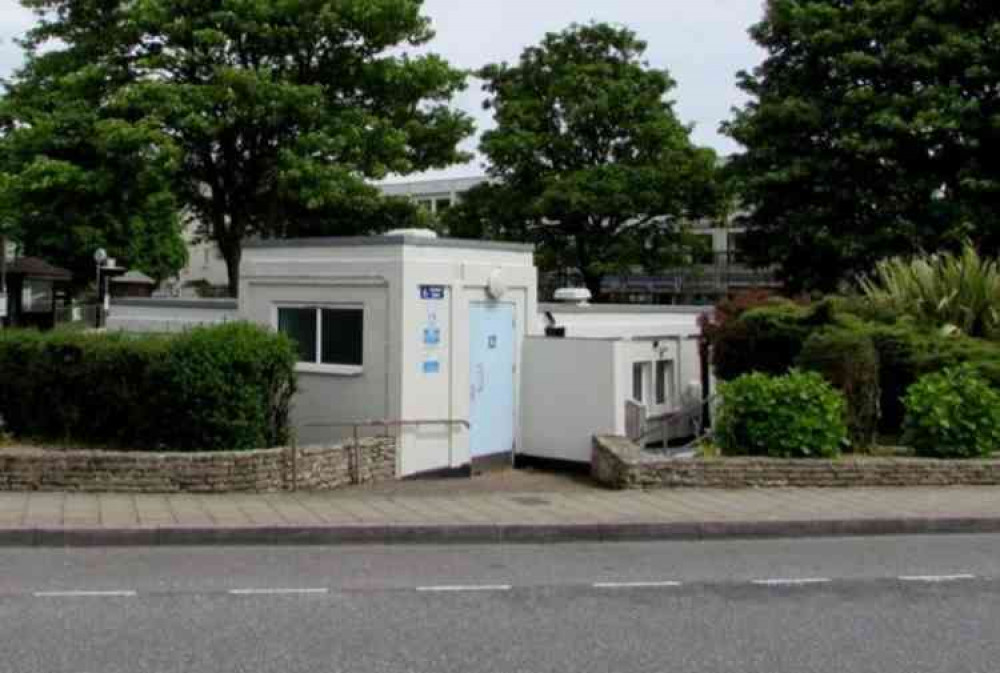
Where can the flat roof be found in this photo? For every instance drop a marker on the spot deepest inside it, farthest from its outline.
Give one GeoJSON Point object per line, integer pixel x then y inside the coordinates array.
{"type": "Point", "coordinates": [363, 241]}
{"type": "Point", "coordinates": [598, 309]}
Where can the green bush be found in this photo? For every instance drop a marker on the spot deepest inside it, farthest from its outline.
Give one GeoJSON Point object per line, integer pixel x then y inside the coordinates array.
{"type": "Point", "coordinates": [907, 352]}
{"type": "Point", "coordinates": [798, 415]}
{"type": "Point", "coordinates": [953, 413]}
{"type": "Point", "coordinates": [766, 339]}
{"type": "Point", "coordinates": [847, 358]}
{"type": "Point", "coordinates": [218, 388]}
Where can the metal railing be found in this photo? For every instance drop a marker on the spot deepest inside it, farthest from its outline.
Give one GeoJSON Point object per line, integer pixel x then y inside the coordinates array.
{"type": "Point", "coordinates": [645, 430]}
{"type": "Point", "coordinates": [380, 423]}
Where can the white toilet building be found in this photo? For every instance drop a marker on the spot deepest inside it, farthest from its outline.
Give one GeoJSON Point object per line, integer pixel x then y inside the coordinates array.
{"type": "Point", "coordinates": [445, 340]}
{"type": "Point", "coordinates": [405, 327]}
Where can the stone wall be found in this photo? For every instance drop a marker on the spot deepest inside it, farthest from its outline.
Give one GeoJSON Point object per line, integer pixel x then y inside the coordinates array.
{"type": "Point", "coordinates": [266, 470]}
{"type": "Point", "coordinates": [618, 463]}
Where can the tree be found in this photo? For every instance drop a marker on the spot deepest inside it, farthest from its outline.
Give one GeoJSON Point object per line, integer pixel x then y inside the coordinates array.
{"type": "Point", "coordinates": [76, 176]}
{"type": "Point", "coordinates": [872, 130]}
{"type": "Point", "coordinates": [279, 110]}
{"type": "Point", "coordinates": [588, 160]}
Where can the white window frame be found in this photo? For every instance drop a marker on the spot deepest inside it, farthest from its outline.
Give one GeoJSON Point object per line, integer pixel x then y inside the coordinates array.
{"type": "Point", "coordinates": [319, 367]}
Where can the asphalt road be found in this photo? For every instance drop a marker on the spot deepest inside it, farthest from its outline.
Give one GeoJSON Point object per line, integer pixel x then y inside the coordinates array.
{"type": "Point", "coordinates": [908, 604]}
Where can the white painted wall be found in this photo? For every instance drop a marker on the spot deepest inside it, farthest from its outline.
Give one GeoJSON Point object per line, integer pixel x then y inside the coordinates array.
{"type": "Point", "coordinates": [169, 315]}
{"type": "Point", "coordinates": [385, 276]}
{"type": "Point", "coordinates": [569, 388]}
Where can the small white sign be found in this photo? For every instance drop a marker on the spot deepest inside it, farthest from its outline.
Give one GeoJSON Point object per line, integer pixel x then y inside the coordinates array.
{"type": "Point", "coordinates": [3, 305]}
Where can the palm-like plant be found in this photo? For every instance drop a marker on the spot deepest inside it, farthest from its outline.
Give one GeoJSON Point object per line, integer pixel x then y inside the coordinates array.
{"type": "Point", "coordinates": [957, 292]}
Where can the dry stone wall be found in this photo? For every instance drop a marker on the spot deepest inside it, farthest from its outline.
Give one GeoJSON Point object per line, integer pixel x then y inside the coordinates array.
{"type": "Point", "coordinates": [266, 470]}
{"type": "Point", "coordinates": [618, 463]}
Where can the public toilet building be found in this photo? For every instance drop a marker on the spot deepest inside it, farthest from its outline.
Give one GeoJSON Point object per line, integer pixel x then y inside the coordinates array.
{"type": "Point", "coordinates": [404, 327]}
{"type": "Point", "coordinates": [445, 341]}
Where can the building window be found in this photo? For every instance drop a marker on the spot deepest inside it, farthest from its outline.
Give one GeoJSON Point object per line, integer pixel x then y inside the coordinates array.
{"type": "Point", "coordinates": [328, 339]}
{"type": "Point", "coordinates": [441, 205]}
{"type": "Point", "coordinates": [664, 381]}
{"type": "Point", "coordinates": [639, 370]}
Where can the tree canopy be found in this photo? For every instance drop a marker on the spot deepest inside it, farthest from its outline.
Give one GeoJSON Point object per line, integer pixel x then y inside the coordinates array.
{"type": "Point", "coordinates": [872, 130]}
{"type": "Point", "coordinates": [588, 159]}
{"type": "Point", "coordinates": [75, 175]}
{"type": "Point", "coordinates": [276, 112]}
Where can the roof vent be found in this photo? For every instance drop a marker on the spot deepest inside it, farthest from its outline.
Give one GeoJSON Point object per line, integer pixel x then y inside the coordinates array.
{"type": "Point", "coordinates": [412, 233]}
{"type": "Point", "coordinates": [573, 295]}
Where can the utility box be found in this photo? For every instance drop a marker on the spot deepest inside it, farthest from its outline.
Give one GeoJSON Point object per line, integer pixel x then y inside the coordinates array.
{"type": "Point", "coordinates": [423, 332]}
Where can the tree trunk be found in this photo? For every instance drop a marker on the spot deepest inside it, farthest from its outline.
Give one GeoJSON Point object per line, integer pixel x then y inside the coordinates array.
{"type": "Point", "coordinates": [593, 283]}
{"type": "Point", "coordinates": [232, 254]}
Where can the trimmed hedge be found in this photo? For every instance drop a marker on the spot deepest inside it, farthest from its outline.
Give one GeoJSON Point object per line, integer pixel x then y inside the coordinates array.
{"type": "Point", "coordinates": [224, 388]}
{"type": "Point", "coordinates": [798, 415]}
{"type": "Point", "coordinates": [953, 413]}
{"type": "Point", "coordinates": [848, 359]}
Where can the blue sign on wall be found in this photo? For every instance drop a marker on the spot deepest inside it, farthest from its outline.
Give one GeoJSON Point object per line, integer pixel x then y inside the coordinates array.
{"type": "Point", "coordinates": [432, 367]}
{"type": "Point", "coordinates": [432, 291]}
{"type": "Point", "coordinates": [432, 336]}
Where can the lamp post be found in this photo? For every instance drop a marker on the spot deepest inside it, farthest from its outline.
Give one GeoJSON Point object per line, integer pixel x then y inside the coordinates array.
{"type": "Point", "coordinates": [100, 257]}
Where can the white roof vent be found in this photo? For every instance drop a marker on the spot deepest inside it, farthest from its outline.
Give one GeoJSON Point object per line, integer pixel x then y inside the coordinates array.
{"type": "Point", "coordinates": [573, 295]}
{"type": "Point", "coordinates": [412, 233]}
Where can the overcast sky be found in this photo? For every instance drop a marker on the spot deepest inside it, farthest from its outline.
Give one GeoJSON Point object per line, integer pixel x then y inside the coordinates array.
{"type": "Point", "coordinates": [703, 43]}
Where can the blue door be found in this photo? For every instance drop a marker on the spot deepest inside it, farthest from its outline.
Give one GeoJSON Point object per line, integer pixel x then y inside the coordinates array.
{"type": "Point", "coordinates": [491, 379]}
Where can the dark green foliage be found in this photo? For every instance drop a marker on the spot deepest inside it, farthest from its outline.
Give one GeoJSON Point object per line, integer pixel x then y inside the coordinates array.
{"type": "Point", "coordinates": [798, 415]}
{"type": "Point", "coordinates": [766, 339]}
{"type": "Point", "coordinates": [953, 413]}
{"type": "Point", "coordinates": [223, 388]}
{"type": "Point", "coordinates": [871, 130]}
{"type": "Point", "coordinates": [588, 158]}
{"type": "Point", "coordinates": [848, 359]}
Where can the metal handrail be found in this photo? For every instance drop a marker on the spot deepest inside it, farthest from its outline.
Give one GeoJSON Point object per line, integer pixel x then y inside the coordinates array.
{"type": "Point", "coordinates": [383, 423]}
{"type": "Point", "coordinates": [664, 420]}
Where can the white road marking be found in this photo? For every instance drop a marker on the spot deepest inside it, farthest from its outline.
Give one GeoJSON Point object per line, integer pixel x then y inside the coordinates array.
{"type": "Point", "coordinates": [635, 585]}
{"type": "Point", "coordinates": [84, 594]}
{"type": "Point", "coordinates": [936, 578]}
{"type": "Point", "coordinates": [467, 587]}
{"type": "Point", "coordinates": [278, 592]}
{"type": "Point", "coordinates": [791, 581]}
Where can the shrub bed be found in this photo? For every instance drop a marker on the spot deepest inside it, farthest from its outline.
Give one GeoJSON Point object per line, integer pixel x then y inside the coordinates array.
{"type": "Point", "coordinates": [953, 414]}
{"type": "Point", "coordinates": [848, 359]}
{"type": "Point", "coordinates": [798, 415]}
{"type": "Point", "coordinates": [219, 388]}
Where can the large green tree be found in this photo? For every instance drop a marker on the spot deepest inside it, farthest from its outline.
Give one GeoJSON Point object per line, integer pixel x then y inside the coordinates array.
{"type": "Point", "coordinates": [77, 175]}
{"type": "Point", "coordinates": [873, 129]}
{"type": "Point", "coordinates": [588, 159]}
{"type": "Point", "coordinates": [279, 110]}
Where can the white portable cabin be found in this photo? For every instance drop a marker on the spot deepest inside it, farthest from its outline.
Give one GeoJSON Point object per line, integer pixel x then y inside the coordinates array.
{"type": "Point", "coordinates": [587, 365]}
{"type": "Point", "coordinates": [407, 328]}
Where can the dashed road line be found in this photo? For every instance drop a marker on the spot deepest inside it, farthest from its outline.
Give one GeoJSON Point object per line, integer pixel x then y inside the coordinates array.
{"type": "Point", "coordinates": [936, 578]}
{"type": "Point", "coordinates": [636, 585]}
{"type": "Point", "coordinates": [791, 581]}
{"type": "Point", "coordinates": [279, 592]}
{"type": "Point", "coordinates": [85, 594]}
{"type": "Point", "coordinates": [465, 587]}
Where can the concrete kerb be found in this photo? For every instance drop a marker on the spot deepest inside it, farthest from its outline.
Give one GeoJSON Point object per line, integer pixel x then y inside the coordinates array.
{"type": "Point", "coordinates": [383, 534]}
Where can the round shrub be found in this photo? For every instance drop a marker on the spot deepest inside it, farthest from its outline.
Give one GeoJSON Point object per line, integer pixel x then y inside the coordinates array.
{"type": "Point", "coordinates": [953, 413]}
{"type": "Point", "coordinates": [798, 415]}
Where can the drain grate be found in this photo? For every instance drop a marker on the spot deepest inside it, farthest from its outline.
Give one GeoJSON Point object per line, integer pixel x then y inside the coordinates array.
{"type": "Point", "coordinates": [530, 500]}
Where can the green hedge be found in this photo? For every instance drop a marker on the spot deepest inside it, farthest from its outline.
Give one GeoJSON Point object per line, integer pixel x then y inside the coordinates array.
{"type": "Point", "coordinates": [211, 389]}
{"type": "Point", "coordinates": [953, 413]}
{"type": "Point", "coordinates": [798, 415]}
{"type": "Point", "coordinates": [848, 359]}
